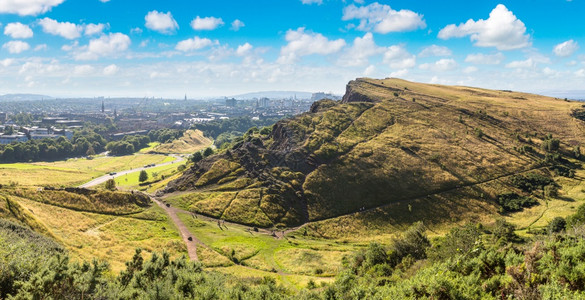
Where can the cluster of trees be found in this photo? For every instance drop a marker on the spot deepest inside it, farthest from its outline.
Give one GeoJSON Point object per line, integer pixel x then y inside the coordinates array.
{"type": "Point", "coordinates": [128, 145]}
{"type": "Point", "coordinates": [83, 143]}
{"type": "Point", "coordinates": [237, 125]}
{"type": "Point", "coordinates": [165, 135]}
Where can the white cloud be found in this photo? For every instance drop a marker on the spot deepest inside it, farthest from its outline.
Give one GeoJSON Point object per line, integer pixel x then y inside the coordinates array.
{"type": "Point", "coordinates": [485, 59]}
{"type": "Point", "coordinates": [434, 50]}
{"type": "Point", "coordinates": [580, 73]}
{"type": "Point", "coordinates": [312, 2]}
{"type": "Point", "coordinates": [470, 69]}
{"type": "Point", "coordinates": [110, 70]}
{"type": "Point", "coordinates": [91, 29]}
{"type": "Point", "coordinates": [28, 7]}
{"type": "Point", "coordinates": [301, 43]}
{"type": "Point", "coordinates": [161, 22]}
{"type": "Point", "coordinates": [501, 30]}
{"type": "Point", "coordinates": [207, 23]}
{"type": "Point", "coordinates": [370, 70]}
{"type": "Point", "coordinates": [399, 73]}
{"type": "Point", "coordinates": [383, 19]}
{"type": "Point", "coordinates": [65, 29]}
{"type": "Point", "coordinates": [7, 62]}
{"type": "Point", "coordinates": [104, 1]}
{"type": "Point", "coordinates": [106, 45]}
{"type": "Point", "coordinates": [566, 48]}
{"type": "Point", "coordinates": [41, 47]}
{"type": "Point", "coordinates": [237, 24]}
{"type": "Point", "coordinates": [195, 43]}
{"type": "Point", "coordinates": [360, 52]}
{"type": "Point", "coordinates": [441, 65]}
{"type": "Point", "coordinates": [243, 49]}
{"type": "Point", "coordinates": [397, 57]}
{"type": "Point", "coordinates": [83, 70]}
{"type": "Point", "coordinates": [18, 30]}
{"type": "Point", "coordinates": [16, 47]}
{"type": "Point", "coordinates": [522, 64]}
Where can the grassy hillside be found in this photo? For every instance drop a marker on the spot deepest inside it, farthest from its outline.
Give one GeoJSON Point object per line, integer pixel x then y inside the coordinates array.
{"type": "Point", "coordinates": [398, 146]}
{"type": "Point", "coordinates": [191, 141]}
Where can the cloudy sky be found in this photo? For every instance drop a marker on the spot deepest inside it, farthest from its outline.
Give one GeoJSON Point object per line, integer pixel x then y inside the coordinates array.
{"type": "Point", "coordinates": [170, 48]}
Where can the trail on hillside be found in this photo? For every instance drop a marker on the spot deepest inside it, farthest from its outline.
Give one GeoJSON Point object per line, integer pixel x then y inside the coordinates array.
{"type": "Point", "coordinates": [183, 230]}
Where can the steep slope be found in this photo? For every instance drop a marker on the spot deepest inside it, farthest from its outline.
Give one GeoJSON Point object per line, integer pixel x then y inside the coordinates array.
{"type": "Point", "coordinates": [386, 142]}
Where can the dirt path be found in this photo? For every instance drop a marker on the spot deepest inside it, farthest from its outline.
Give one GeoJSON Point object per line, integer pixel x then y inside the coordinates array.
{"type": "Point", "coordinates": [185, 233]}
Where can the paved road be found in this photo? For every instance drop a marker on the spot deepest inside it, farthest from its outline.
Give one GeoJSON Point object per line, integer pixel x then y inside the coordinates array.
{"type": "Point", "coordinates": [104, 178]}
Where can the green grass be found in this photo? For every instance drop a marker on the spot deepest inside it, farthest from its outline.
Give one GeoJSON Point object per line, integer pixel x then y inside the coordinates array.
{"type": "Point", "coordinates": [130, 181]}
{"type": "Point", "coordinates": [292, 261]}
{"type": "Point", "coordinates": [72, 172]}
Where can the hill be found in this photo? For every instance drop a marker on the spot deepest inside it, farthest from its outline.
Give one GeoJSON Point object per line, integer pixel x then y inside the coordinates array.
{"type": "Point", "coordinates": [419, 151]}
{"type": "Point", "coordinates": [191, 141]}
{"type": "Point", "coordinates": [24, 97]}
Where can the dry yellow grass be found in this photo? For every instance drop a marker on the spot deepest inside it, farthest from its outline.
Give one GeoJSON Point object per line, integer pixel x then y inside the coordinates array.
{"type": "Point", "coordinates": [191, 141]}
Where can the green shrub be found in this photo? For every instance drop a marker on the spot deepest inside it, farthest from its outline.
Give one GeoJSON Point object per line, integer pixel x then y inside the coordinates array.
{"type": "Point", "coordinates": [511, 202]}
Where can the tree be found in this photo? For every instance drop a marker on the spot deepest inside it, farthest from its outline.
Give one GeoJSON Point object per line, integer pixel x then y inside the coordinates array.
{"type": "Point", "coordinates": [90, 151]}
{"type": "Point", "coordinates": [208, 151]}
{"type": "Point", "coordinates": [196, 157]}
{"type": "Point", "coordinates": [111, 184]}
{"type": "Point", "coordinates": [143, 176]}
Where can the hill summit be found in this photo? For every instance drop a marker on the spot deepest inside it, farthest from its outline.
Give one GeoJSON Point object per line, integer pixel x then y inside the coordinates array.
{"type": "Point", "coordinates": [388, 142]}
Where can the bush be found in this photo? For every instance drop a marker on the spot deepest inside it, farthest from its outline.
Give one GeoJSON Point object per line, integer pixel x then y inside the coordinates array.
{"type": "Point", "coordinates": [531, 182]}
{"type": "Point", "coordinates": [207, 152]}
{"type": "Point", "coordinates": [413, 242]}
{"type": "Point", "coordinates": [512, 202]}
{"type": "Point", "coordinates": [557, 224]}
{"type": "Point", "coordinates": [143, 176]}
{"type": "Point", "coordinates": [197, 156]}
{"type": "Point", "coordinates": [111, 184]}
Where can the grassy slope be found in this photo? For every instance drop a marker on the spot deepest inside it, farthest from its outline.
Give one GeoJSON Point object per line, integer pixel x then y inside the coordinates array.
{"type": "Point", "coordinates": [95, 234]}
{"type": "Point", "coordinates": [191, 141]}
{"type": "Point", "coordinates": [414, 144]}
{"type": "Point", "coordinates": [73, 171]}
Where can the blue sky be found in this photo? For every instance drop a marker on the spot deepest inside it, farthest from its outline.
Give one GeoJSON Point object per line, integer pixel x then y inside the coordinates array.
{"type": "Point", "coordinates": [170, 48]}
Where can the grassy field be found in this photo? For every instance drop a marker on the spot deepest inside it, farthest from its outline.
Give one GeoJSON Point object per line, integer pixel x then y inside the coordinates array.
{"type": "Point", "coordinates": [191, 141]}
{"type": "Point", "coordinates": [111, 238]}
{"type": "Point", "coordinates": [73, 171]}
{"type": "Point", "coordinates": [155, 175]}
{"type": "Point", "coordinates": [293, 260]}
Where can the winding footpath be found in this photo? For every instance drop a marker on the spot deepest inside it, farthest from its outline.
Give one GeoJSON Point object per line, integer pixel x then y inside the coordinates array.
{"type": "Point", "coordinates": [105, 178]}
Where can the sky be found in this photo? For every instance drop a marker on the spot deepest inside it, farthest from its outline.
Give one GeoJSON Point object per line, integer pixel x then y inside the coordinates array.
{"type": "Point", "coordinates": [202, 48]}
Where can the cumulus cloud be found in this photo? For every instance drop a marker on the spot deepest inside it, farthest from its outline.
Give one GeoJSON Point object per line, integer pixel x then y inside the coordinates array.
{"type": "Point", "coordinates": [207, 23]}
{"type": "Point", "coordinates": [397, 57]}
{"type": "Point", "coordinates": [16, 47]}
{"type": "Point", "coordinates": [28, 7]}
{"type": "Point", "coordinates": [92, 29]}
{"type": "Point", "coordinates": [522, 64]}
{"type": "Point", "coordinates": [161, 22]}
{"type": "Point", "coordinates": [106, 45]}
{"type": "Point", "coordinates": [502, 30]}
{"type": "Point", "coordinates": [41, 47]}
{"type": "Point", "coordinates": [360, 51]}
{"type": "Point", "coordinates": [301, 43]}
{"type": "Point", "coordinates": [195, 43]}
{"type": "Point", "coordinates": [383, 19]}
{"type": "Point", "coordinates": [312, 2]}
{"type": "Point", "coordinates": [110, 70]}
{"type": "Point", "coordinates": [83, 70]}
{"type": "Point", "coordinates": [434, 50]}
{"type": "Point", "coordinates": [566, 48]}
{"type": "Point", "coordinates": [65, 29]}
{"type": "Point", "coordinates": [485, 59]}
{"type": "Point", "coordinates": [6, 62]}
{"type": "Point", "coordinates": [237, 24]}
{"type": "Point", "coordinates": [441, 65]}
{"type": "Point", "coordinates": [18, 30]}
{"type": "Point", "coordinates": [244, 49]}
